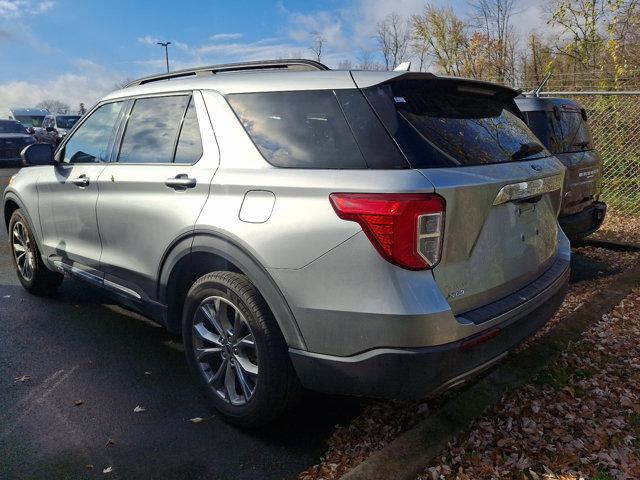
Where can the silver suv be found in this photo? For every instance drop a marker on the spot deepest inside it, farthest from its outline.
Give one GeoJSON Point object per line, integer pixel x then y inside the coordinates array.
{"type": "Point", "coordinates": [384, 234]}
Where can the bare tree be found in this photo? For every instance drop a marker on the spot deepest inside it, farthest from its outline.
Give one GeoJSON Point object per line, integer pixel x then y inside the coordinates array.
{"type": "Point", "coordinates": [393, 35]}
{"type": "Point", "coordinates": [492, 18]}
{"type": "Point", "coordinates": [366, 61]}
{"type": "Point", "coordinates": [345, 65]}
{"type": "Point", "coordinates": [81, 109]}
{"type": "Point", "coordinates": [420, 51]}
{"type": "Point", "coordinates": [54, 106]}
{"type": "Point", "coordinates": [318, 45]}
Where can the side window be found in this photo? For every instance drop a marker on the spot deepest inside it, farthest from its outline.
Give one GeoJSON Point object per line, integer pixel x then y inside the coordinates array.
{"type": "Point", "coordinates": [91, 142]}
{"type": "Point", "coordinates": [189, 149]}
{"type": "Point", "coordinates": [152, 129]}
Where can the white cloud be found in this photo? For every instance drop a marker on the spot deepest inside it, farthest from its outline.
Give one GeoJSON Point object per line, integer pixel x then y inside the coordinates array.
{"type": "Point", "coordinates": [11, 9]}
{"type": "Point", "coordinates": [148, 40]}
{"type": "Point", "coordinates": [87, 84]}
{"type": "Point", "coordinates": [225, 36]}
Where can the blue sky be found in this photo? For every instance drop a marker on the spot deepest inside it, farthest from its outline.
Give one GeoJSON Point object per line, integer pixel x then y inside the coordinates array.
{"type": "Point", "coordinates": [74, 51]}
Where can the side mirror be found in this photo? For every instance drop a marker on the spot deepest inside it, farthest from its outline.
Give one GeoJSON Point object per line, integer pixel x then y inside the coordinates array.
{"type": "Point", "coordinates": [38, 154]}
{"type": "Point", "coordinates": [50, 129]}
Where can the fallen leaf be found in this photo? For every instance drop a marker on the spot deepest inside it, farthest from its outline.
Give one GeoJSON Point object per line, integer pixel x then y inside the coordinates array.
{"type": "Point", "coordinates": [107, 469]}
{"type": "Point", "coordinates": [22, 378]}
{"type": "Point", "coordinates": [196, 420]}
{"type": "Point", "coordinates": [147, 373]}
{"type": "Point", "coordinates": [78, 402]}
{"type": "Point", "coordinates": [89, 466]}
{"type": "Point", "coordinates": [110, 442]}
{"type": "Point", "coordinates": [139, 409]}
{"type": "Point", "coordinates": [6, 296]}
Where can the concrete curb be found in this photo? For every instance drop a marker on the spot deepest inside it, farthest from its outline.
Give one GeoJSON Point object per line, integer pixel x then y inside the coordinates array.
{"type": "Point", "coordinates": [407, 456]}
{"type": "Point", "coordinates": [609, 245]}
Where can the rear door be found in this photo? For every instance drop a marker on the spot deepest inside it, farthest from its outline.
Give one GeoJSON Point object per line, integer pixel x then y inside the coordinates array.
{"type": "Point", "coordinates": [154, 192]}
{"type": "Point", "coordinates": [502, 188]}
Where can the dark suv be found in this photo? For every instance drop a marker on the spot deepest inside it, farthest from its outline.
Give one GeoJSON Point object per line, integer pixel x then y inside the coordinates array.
{"type": "Point", "coordinates": [13, 139]}
{"type": "Point", "coordinates": [561, 125]}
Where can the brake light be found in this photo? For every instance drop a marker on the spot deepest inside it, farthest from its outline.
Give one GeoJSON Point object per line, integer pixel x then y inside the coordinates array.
{"type": "Point", "coordinates": [405, 228]}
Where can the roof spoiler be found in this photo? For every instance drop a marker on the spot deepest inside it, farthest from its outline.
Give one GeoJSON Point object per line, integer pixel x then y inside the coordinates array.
{"type": "Point", "coordinates": [294, 64]}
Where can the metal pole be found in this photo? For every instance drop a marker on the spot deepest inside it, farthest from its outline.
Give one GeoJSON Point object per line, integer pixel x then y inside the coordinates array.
{"type": "Point", "coordinates": [166, 52]}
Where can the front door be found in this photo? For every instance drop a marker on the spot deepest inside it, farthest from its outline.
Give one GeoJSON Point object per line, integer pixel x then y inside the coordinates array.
{"type": "Point", "coordinates": [155, 191]}
{"type": "Point", "coordinates": [68, 192]}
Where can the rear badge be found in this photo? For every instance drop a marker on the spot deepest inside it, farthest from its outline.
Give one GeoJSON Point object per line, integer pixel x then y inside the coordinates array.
{"type": "Point", "coordinates": [456, 294]}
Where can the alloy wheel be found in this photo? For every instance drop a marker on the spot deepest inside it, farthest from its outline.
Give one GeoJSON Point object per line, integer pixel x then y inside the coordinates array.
{"type": "Point", "coordinates": [225, 350]}
{"type": "Point", "coordinates": [22, 251]}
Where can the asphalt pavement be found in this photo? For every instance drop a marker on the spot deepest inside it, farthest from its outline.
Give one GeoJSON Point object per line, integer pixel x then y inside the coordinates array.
{"type": "Point", "coordinates": [79, 347]}
{"type": "Point", "coordinates": [86, 364]}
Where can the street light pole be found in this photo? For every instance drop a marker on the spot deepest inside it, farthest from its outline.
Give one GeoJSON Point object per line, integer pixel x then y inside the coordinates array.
{"type": "Point", "coordinates": [166, 52]}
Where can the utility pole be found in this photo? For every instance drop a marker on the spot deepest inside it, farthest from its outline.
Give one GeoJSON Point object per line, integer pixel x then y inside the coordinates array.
{"type": "Point", "coordinates": [166, 52]}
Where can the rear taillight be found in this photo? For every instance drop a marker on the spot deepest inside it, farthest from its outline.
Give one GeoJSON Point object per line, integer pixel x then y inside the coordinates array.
{"type": "Point", "coordinates": [405, 228]}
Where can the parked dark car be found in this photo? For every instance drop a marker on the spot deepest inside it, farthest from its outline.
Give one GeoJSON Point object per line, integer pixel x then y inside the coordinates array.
{"type": "Point", "coordinates": [13, 139]}
{"type": "Point", "coordinates": [55, 128]}
{"type": "Point", "coordinates": [31, 118]}
{"type": "Point", "coordinates": [561, 125]}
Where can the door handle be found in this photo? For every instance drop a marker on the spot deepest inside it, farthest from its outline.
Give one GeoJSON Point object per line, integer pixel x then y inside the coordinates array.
{"type": "Point", "coordinates": [81, 181]}
{"type": "Point", "coordinates": [180, 182]}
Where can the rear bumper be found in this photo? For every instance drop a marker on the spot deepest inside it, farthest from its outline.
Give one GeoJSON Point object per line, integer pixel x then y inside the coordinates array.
{"type": "Point", "coordinates": [418, 372]}
{"type": "Point", "coordinates": [585, 222]}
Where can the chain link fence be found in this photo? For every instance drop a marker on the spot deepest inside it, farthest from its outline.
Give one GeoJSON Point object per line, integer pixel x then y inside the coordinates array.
{"type": "Point", "coordinates": [614, 121]}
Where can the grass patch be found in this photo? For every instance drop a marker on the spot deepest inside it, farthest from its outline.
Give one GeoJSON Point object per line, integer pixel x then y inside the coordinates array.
{"type": "Point", "coordinates": [556, 377]}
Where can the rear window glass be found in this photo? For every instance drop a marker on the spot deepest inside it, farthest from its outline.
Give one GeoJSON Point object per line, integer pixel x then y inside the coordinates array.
{"type": "Point", "coordinates": [31, 120]}
{"type": "Point", "coordinates": [575, 133]}
{"type": "Point", "coordinates": [309, 129]}
{"type": "Point", "coordinates": [440, 123]}
{"type": "Point", "coordinates": [67, 121]}
{"type": "Point", "coordinates": [560, 131]}
{"type": "Point", "coordinates": [11, 127]}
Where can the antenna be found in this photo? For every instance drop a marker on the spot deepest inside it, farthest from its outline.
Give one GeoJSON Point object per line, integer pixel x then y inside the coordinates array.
{"type": "Point", "coordinates": [536, 92]}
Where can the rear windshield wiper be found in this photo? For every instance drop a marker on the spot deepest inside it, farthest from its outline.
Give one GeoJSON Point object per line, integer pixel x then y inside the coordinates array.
{"type": "Point", "coordinates": [527, 149]}
{"type": "Point", "coordinates": [581, 144]}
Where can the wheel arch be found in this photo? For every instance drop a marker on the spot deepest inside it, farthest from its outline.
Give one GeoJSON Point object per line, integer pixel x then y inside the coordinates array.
{"type": "Point", "coordinates": [12, 203]}
{"type": "Point", "coordinates": [204, 252]}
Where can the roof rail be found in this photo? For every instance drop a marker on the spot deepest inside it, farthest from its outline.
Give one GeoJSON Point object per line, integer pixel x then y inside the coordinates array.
{"type": "Point", "coordinates": [294, 64]}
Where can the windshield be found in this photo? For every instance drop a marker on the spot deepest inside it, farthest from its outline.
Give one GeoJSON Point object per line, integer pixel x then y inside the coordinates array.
{"type": "Point", "coordinates": [11, 127]}
{"type": "Point", "coordinates": [441, 123]}
{"type": "Point", "coordinates": [66, 121]}
{"type": "Point", "coordinates": [32, 120]}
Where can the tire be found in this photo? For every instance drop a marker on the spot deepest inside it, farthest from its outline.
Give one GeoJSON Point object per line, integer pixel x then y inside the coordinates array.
{"type": "Point", "coordinates": [33, 274]}
{"type": "Point", "coordinates": [216, 302]}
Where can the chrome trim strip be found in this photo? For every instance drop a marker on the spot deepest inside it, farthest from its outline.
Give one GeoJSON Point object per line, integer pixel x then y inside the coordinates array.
{"type": "Point", "coordinates": [121, 289]}
{"type": "Point", "coordinates": [528, 189]}
{"type": "Point", "coordinates": [95, 279]}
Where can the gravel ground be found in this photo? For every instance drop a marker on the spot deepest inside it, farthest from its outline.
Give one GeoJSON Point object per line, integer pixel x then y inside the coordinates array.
{"type": "Point", "coordinates": [381, 422]}
{"type": "Point", "coordinates": [619, 226]}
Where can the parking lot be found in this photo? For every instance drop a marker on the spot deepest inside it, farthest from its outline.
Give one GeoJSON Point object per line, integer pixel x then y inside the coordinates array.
{"type": "Point", "coordinates": [74, 368]}
{"type": "Point", "coordinates": [79, 347]}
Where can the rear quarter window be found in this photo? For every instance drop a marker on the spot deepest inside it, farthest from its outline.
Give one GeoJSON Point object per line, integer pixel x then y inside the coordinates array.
{"type": "Point", "coordinates": [316, 129]}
